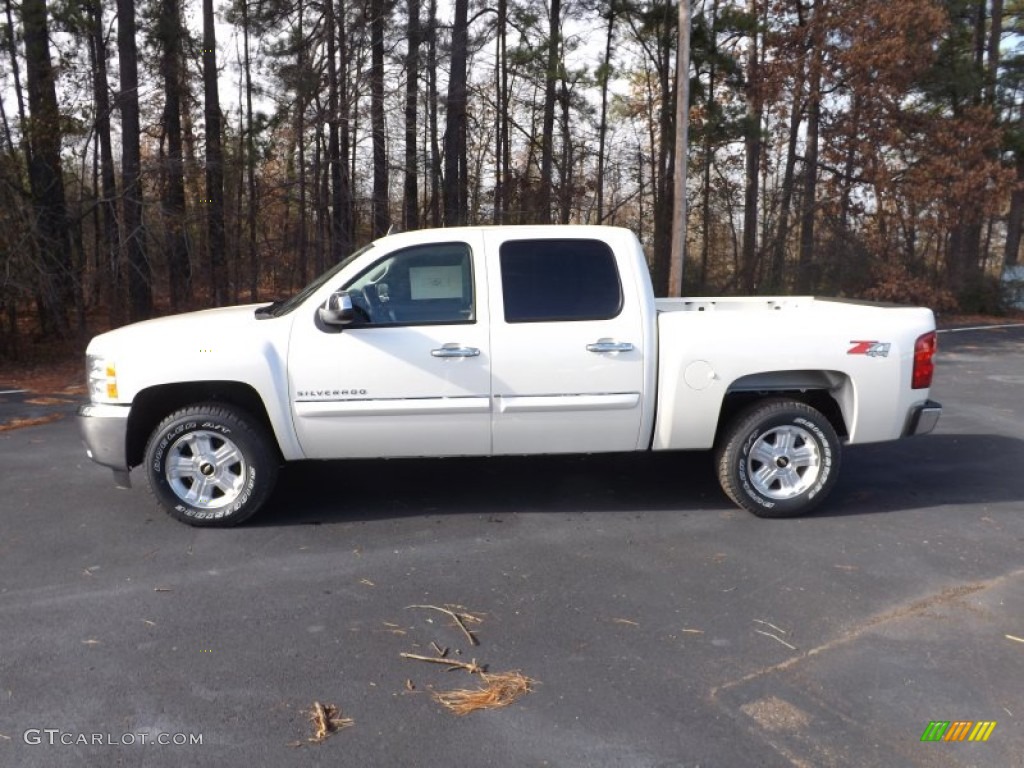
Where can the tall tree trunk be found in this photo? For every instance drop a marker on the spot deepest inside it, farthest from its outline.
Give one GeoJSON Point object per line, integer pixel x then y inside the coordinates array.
{"type": "Point", "coordinates": [501, 114]}
{"type": "Point", "coordinates": [752, 146]}
{"type": "Point", "coordinates": [806, 278]}
{"type": "Point", "coordinates": [455, 160]}
{"type": "Point", "coordinates": [663, 174]}
{"type": "Point", "coordinates": [381, 214]}
{"type": "Point", "coordinates": [250, 162]}
{"type": "Point", "coordinates": [337, 161]}
{"type": "Point", "coordinates": [140, 291]}
{"type": "Point", "coordinates": [709, 155]}
{"type": "Point", "coordinates": [781, 239]}
{"type": "Point", "coordinates": [604, 77]}
{"type": "Point", "coordinates": [178, 268]}
{"type": "Point", "coordinates": [1015, 218]}
{"type": "Point", "coordinates": [216, 241]}
{"type": "Point", "coordinates": [300, 133]}
{"type": "Point", "coordinates": [111, 238]}
{"type": "Point", "coordinates": [547, 139]}
{"type": "Point", "coordinates": [435, 174]}
{"type": "Point", "coordinates": [565, 175]}
{"type": "Point", "coordinates": [12, 51]}
{"type": "Point", "coordinates": [46, 179]}
{"type": "Point", "coordinates": [411, 192]}
{"type": "Point", "coordinates": [346, 114]}
{"type": "Point", "coordinates": [994, 51]}
{"type": "Point", "coordinates": [680, 151]}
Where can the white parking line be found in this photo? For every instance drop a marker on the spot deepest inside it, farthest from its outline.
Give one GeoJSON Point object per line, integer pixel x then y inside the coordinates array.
{"type": "Point", "coordinates": [12, 391]}
{"type": "Point", "coordinates": [981, 328]}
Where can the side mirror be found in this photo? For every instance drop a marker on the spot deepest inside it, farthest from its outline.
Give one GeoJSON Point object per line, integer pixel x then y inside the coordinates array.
{"type": "Point", "coordinates": [338, 309]}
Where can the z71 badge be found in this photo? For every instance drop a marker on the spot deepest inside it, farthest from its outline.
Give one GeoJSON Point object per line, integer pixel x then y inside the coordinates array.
{"type": "Point", "coordinates": [870, 348]}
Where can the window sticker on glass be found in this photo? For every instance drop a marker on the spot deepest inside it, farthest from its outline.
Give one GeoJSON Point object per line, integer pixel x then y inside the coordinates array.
{"type": "Point", "coordinates": [435, 282]}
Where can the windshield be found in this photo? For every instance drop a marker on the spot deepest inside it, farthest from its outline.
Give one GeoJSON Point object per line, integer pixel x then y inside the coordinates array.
{"type": "Point", "coordinates": [277, 309]}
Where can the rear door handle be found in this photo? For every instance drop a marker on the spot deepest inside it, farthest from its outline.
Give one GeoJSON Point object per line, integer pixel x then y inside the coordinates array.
{"type": "Point", "coordinates": [607, 345]}
{"type": "Point", "coordinates": [455, 350]}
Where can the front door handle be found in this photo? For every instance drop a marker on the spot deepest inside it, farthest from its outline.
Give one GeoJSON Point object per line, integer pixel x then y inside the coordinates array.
{"type": "Point", "coordinates": [455, 350]}
{"type": "Point", "coordinates": [607, 345]}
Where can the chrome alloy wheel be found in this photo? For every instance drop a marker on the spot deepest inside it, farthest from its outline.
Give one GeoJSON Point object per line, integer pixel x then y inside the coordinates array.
{"type": "Point", "coordinates": [784, 462]}
{"type": "Point", "coordinates": [205, 469]}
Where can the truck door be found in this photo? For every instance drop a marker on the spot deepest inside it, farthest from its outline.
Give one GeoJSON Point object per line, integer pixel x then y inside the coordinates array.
{"type": "Point", "coordinates": [411, 377]}
{"type": "Point", "coordinates": [567, 348]}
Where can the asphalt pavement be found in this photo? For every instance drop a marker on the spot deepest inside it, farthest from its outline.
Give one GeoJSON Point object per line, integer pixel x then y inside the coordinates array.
{"type": "Point", "coordinates": [662, 627]}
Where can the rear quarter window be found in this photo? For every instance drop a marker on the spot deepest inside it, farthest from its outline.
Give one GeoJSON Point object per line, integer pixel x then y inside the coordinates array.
{"type": "Point", "coordinates": [559, 280]}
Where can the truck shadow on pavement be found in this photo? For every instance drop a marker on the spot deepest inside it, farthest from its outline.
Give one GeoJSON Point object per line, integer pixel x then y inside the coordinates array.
{"type": "Point", "coordinates": [889, 477]}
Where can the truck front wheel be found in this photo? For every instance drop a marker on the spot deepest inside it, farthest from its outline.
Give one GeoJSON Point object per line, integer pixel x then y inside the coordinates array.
{"type": "Point", "coordinates": [778, 458]}
{"type": "Point", "coordinates": [210, 465]}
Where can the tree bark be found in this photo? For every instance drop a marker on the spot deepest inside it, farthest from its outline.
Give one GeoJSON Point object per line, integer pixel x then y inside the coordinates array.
{"type": "Point", "coordinates": [806, 278]}
{"type": "Point", "coordinates": [110, 238]}
{"type": "Point", "coordinates": [216, 241]}
{"type": "Point", "coordinates": [46, 178]}
{"type": "Point", "coordinates": [411, 192]}
{"type": "Point", "coordinates": [604, 76]}
{"type": "Point", "coordinates": [12, 51]}
{"type": "Point", "coordinates": [752, 146]}
{"type": "Point", "coordinates": [455, 160]}
{"type": "Point", "coordinates": [547, 139]}
{"type": "Point", "coordinates": [780, 242]}
{"type": "Point", "coordinates": [140, 292]}
{"type": "Point", "coordinates": [178, 268]}
{"type": "Point", "coordinates": [250, 162]}
{"type": "Point", "coordinates": [435, 201]}
{"type": "Point", "coordinates": [381, 213]}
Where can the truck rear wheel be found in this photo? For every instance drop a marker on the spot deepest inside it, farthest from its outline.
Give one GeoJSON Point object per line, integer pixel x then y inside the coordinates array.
{"type": "Point", "coordinates": [778, 458]}
{"type": "Point", "coordinates": [210, 465]}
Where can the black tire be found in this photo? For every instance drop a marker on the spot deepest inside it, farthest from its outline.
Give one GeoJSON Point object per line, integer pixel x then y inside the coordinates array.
{"type": "Point", "coordinates": [210, 465]}
{"type": "Point", "coordinates": [778, 458]}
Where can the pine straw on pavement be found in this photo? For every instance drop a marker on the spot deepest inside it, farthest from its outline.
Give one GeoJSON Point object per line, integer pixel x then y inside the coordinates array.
{"type": "Point", "coordinates": [326, 720]}
{"type": "Point", "coordinates": [500, 690]}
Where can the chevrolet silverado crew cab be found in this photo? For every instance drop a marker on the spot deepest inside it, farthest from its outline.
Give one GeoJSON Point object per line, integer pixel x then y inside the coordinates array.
{"type": "Point", "coordinates": [495, 341]}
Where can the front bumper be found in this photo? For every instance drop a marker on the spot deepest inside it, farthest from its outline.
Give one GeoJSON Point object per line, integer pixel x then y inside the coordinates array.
{"type": "Point", "coordinates": [104, 431]}
{"type": "Point", "coordinates": [922, 418]}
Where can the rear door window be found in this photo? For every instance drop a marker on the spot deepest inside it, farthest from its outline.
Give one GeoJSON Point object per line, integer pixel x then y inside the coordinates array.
{"type": "Point", "coordinates": [559, 280]}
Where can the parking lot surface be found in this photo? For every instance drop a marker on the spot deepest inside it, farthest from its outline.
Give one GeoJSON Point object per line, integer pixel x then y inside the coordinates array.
{"type": "Point", "coordinates": [662, 627]}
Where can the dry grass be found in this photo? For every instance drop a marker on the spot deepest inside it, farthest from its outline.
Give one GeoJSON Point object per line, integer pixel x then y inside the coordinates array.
{"type": "Point", "coordinates": [499, 690]}
{"type": "Point", "coordinates": [326, 720]}
{"type": "Point", "coordinates": [35, 422]}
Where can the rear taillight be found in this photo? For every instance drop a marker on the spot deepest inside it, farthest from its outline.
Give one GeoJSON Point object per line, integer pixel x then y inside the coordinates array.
{"type": "Point", "coordinates": [924, 361]}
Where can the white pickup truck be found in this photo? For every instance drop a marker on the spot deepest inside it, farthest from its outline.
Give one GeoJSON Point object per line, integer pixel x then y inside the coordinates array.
{"type": "Point", "coordinates": [503, 340]}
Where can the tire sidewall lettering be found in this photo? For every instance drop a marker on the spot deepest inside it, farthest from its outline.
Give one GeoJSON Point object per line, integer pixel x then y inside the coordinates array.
{"type": "Point", "coordinates": [821, 441]}
{"type": "Point", "coordinates": [249, 442]}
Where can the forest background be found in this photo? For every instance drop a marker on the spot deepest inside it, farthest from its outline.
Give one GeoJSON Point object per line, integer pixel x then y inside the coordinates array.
{"type": "Point", "coordinates": [176, 154]}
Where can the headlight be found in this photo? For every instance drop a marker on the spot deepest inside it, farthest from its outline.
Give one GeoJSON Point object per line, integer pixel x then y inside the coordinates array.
{"type": "Point", "coordinates": [102, 378]}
